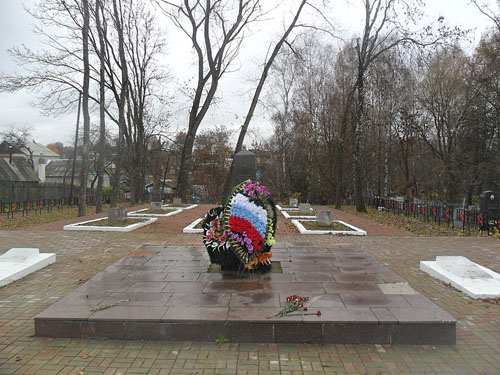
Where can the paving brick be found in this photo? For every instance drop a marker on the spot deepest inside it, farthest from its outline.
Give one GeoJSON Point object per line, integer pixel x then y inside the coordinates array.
{"type": "Point", "coordinates": [80, 256]}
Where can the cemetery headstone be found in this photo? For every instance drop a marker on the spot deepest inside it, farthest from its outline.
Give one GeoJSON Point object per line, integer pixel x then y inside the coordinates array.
{"type": "Point", "coordinates": [244, 167]}
{"type": "Point", "coordinates": [324, 218]}
{"type": "Point", "coordinates": [305, 208]}
{"type": "Point", "coordinates": [490, 204]}
{"type": "Point", "coordinates": [457, 223]}
{"type": "Point", "coordinates": [156, 207]}
{"type": "Point", "coordinates": [177, 201]}
{"type": "Point", "coordinates": [117, 215]}
{"type": "Point", "coordinates": [294, 202]}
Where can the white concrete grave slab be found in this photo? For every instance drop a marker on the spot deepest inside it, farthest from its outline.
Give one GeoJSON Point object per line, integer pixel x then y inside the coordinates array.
{"type": "Point", "coordinates": [97, 228]}
{"type": "Point", "coordinates": [469, 277]}
{"type": "Point", "coordinates": [355, 231]}
{"type": "Point", "coordinates": [191, 227]}
{"type": "Point", "coordinates": [20, 262]}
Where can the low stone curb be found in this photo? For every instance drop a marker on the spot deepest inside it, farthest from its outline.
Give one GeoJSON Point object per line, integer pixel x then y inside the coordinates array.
{"type": "Point", "coordinates": [191, 227]}
{"type": "Point", "coordinates": [128, 228]}
{"type": "Point", "coordinates": [354, 232]}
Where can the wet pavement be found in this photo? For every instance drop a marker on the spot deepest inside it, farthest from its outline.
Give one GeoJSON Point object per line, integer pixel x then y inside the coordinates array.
{"type": "Point", "coordinates": [167, 293]}
{"type": "Point", "coordinates": [80, 256]}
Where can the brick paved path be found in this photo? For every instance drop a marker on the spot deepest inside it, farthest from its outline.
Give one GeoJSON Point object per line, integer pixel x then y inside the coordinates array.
{"type": "Point", "coordinates": [81, 255]}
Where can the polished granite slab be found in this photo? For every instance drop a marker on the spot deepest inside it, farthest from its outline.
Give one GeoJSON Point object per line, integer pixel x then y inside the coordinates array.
{"type": "Point", "coordinates": [171, 293]}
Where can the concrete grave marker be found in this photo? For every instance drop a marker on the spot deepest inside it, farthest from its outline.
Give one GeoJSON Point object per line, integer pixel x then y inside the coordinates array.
{"type": "Point", "coordinates": [294, 202]}
{"type": "Point", "coordinates": [462, 267]}
{"type": "Point", "coordinates": [471, 278]}
{"type": "Point", "coordinates": [177, 201]}
{"type": "Point", "coordinates": [324, 218]}
{"type": "Point", "coordinates": [305, 208]}
{"type": "Point", "coordinates": [20, 262]}
{"type": "Point", "coordinates": [117, 215]}
{"type": "Point", "coordinates": [156, 207]}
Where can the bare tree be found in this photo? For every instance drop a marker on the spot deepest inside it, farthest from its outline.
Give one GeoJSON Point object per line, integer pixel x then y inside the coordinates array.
{"type": "Point", "coordinates": [446, 99]}
{"type": "Point", "coordinates": [84, 171]}
{"type": "Point", "coordinates": [255, 99]}
{"type": "Point", "coordinates": [382, 32]}
{"type": "Point", "coordinates": [19, 136]}
{"type": "Point", "coordinates": [485, 9]}
{"type": "Point", "coordinates": [144, 43]}
{"type": "Point", "coordinates": [282, 90]}
{"type": "Point", "coordinates": [117, 14]}
{"type": "Point", "coordinates": [215, 29]}
{"type": "Point", "coordinates": [98, 14]}
{"type": "Point", "coordinates": [123, 37]}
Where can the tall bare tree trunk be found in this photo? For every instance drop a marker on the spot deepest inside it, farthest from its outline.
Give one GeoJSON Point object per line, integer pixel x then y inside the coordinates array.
{"type": "Point", "coordinates": [82, 204]}
{"type": "Point", "coordinates": [339, 172]}
{"type": "Point", "coordinates": [357, 124]}
{"type": "Point", "coordinates": [186, 164]}
{"type": "Point", "coordinates": [256, 95]}
{"type": "Point", "coordinates": [102, 108]}
{"type": "Point", "coordinates": [339, 152]}
{"type": "Point", "coordinates": [121, 105]}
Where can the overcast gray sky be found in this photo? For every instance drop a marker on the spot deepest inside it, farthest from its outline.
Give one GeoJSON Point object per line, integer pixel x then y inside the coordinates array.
{"type": "Point", "coordinates": [16, 29]}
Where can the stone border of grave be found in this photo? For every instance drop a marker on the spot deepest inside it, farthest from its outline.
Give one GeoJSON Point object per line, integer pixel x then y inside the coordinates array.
{"type": "Point", "coordinates": [128, 228]}
{"type": "Point", "coordinates": [191, 227]}
{"type": "Point", "coordinates": [300, 217]}
{"type": "Point", "coordinates": [278, 207]}
{"type": "Point", "coordinates": [179, 208]}
{"type": "Point", "coordinates": [139, 214]}
{"type": "Point", "coordinates": [354, 232]}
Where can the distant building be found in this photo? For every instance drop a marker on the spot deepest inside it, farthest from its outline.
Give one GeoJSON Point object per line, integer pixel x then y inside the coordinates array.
{"type": "Point", "coordinates": [17, 170]}
{"type": "Point", "coordinates": [59, 171]}
{"type": "Point", "coordinates": [40, 155]}
{"type": "Point", "coordinates": [14, 166]}
{"type": "Point", "coordinates": [7, 150]}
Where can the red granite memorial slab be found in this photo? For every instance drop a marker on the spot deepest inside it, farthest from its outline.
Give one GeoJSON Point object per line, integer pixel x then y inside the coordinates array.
{"type": "Point", "coordinates": [172, 293]}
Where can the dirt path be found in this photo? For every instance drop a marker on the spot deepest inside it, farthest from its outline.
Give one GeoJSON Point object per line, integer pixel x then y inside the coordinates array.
{"type": "Point", "coordinates": [174, 224]}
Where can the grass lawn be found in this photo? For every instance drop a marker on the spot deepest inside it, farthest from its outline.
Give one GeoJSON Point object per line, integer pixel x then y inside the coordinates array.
{"type": "Point", "coordinates": [297, 213]}
{"type": "Point", "coordinates": [151, 212]}
{"type": "Point", "coordinates": [313, 225]}
{"type": "Point", "coordinates": [410, 224]}
{"type": "Point", "coordinates": [33, 219]}
{"type": "Point", "coordinates": [106, 223]}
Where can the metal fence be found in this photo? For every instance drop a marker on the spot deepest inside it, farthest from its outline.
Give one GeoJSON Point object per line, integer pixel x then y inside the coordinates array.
{"type": "Point", "coordinates": [467, 219]}
{"type": "Point", "coordinates": [37, 207]}
{"type": "Point", "coordinates": [35, 198]}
